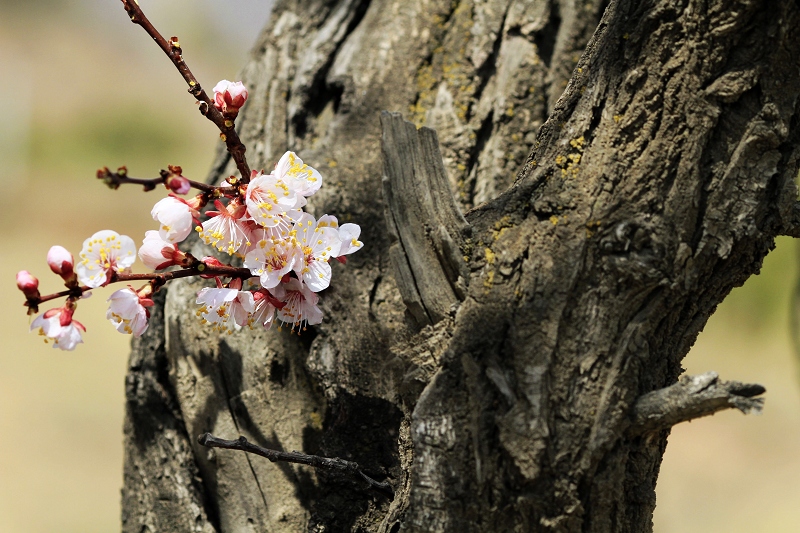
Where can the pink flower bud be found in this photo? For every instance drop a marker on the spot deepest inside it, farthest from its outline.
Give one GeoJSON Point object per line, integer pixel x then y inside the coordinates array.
{"type": "Point", "coordinates": [175, 180]}
{"type": "Point", "coordinates": [28, 284]}
{"type": "Point", "coordinates": [60, 261]}
{"type": "Point", "coordinates": [229, 97]}
{"type": "Point", "coordinates": [178, 184]}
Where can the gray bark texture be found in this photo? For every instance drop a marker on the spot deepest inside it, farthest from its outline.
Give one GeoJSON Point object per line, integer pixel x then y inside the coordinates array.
{"type": "Point", "coordinates": [620, 168]}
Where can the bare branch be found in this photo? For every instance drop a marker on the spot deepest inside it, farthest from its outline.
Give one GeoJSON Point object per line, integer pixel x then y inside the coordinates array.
{"type": "Point", "coordinates": [327, 463]}
{"type": "Point", "coordinates": [120, 177]}
{"type": "Point", "coordinates": [693, 397]}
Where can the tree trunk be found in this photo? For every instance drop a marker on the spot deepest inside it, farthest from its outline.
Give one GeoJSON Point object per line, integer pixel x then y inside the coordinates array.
{"type": "Point", "coordinates": [490, 366]}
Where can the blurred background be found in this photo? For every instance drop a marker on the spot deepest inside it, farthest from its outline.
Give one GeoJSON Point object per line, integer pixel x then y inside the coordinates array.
{"type": "Point", "coordinates": [85, 88]}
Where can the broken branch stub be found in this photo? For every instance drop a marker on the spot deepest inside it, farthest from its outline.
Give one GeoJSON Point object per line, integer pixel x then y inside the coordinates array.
{"type": "Point", "coordinates": [427, 228]}
{"type": "Point", "coordinates": [693, 397]}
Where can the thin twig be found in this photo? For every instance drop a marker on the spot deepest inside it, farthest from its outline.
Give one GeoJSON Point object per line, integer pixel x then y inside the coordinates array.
{"type": "Point", "coordinates": [120, 177]}
{"type": "Point", "coordinates": [693, 397]}
{"type": "Point", "coordinates": [173, 50]}
{"type": "Point", "coordinates": [327, 463]}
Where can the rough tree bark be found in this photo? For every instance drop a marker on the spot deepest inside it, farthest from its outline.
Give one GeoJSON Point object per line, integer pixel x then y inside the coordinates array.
{"type": "Point", "coordinates": [508, 369]}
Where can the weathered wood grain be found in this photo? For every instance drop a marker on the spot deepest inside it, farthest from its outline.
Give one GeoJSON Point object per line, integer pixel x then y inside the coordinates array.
{"type": "Point", "coordinates": [423, 219]}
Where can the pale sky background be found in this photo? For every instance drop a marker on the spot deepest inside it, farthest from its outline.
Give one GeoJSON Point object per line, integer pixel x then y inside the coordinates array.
{"type": "Point", "coordinates": [85, 88]}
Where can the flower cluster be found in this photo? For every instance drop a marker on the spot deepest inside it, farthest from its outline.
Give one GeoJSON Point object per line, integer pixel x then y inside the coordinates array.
{"type": "Point", "coordinates": [286, 252]}
{"type": "Point", "coordinates": [105, 256]}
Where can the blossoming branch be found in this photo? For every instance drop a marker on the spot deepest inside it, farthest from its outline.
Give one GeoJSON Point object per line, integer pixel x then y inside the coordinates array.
{"type": "Point", "coordinates": [258, 217]}
{"type": "Point", "coordinates": [286, 254]}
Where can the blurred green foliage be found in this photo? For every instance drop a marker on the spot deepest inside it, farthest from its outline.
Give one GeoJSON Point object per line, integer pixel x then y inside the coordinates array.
{"type": "Point", "coordinates": [131, 135]}
{"type": "Point", "coordinates": [761, 305]}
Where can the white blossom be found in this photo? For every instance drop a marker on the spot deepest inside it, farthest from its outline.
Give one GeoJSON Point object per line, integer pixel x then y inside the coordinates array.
{"type": "Point", "coordinates": [268, 198]}
{"type": "Point", "coordinates": [175, 218]}
{"type": "Point", "coordinates": [58, 325]}
{"type": "Point", "coordinates": [127, 313]}
{"type": "Point", "coordinates": [226, 309]}
{"type": "Point", "coordinates": [227, 229]}
{"type": "Point", "coordinates": [301, 178]}
{"type": "Point", "coordinates": [348, 234]}
{"type": "Point", "coordinates": [316, 246]}
{"type": "Point", "coordinates": [300, 305]}
{"type": "Point", "coordinates": [271, 258]}
{"type": "Point", "coordinates": [264, 313]}
{"type": "Point", "coordinates": [103, 253]}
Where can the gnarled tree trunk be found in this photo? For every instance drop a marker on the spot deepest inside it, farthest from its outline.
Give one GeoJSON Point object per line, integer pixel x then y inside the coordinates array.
{"type": "Point", "coordinates": [493, 366]}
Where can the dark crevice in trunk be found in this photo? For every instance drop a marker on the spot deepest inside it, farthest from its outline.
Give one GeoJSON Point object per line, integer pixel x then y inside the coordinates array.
{"type": "Point", "coordinates": [364, 430]}
{"type": "Point", "coordinates": [604, 6]}
{"type": "Point", "coordinates": [374, 290]}
{"type": "Point", "coordinates": [482, 137]}
{"type": "Point", "coordinates": [597, 115]}
{"type": "Point", "coordinates": [454, 4]}
{"type": "Point", "coordinates": [319, 98]}
{"type": "Point", "coordinates": [488, 69]}
{"type": "Point", "coordinates": [545, 39]}
{"type": "Point", "coordinates": [320, 93]}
